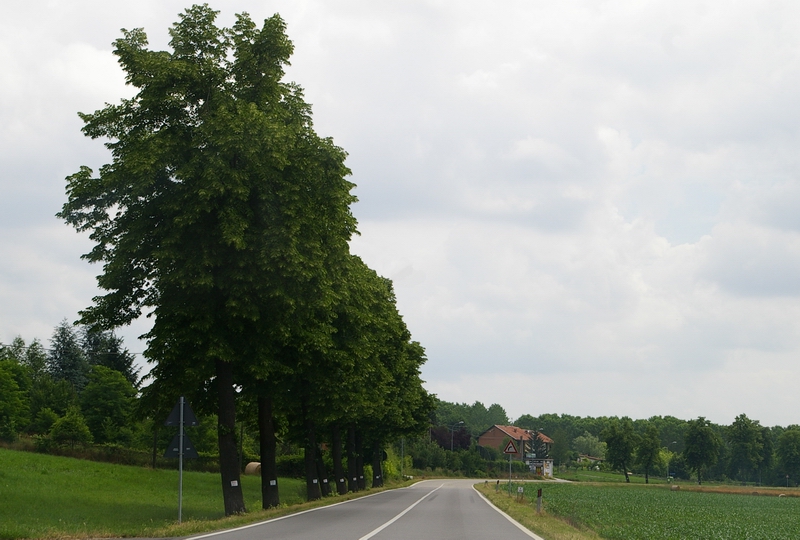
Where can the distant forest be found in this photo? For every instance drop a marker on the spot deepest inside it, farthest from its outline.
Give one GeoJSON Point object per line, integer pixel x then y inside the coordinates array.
{"type": "Point", "coordinates": [743, 452]}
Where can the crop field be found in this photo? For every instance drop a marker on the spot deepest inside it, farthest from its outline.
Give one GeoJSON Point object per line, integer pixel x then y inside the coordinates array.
{"type": "Point", "coordinates": [627, 512]}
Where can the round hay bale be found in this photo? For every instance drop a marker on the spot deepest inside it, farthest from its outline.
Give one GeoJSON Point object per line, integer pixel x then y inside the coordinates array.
{"type": "Point", "coordinates": [675, 488]}
{"type": "Point", "coordinates": [253, 468]}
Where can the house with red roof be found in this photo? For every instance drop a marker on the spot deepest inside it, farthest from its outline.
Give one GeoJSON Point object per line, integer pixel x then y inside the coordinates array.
{"type": "Point", "coordinates": [526, 442]}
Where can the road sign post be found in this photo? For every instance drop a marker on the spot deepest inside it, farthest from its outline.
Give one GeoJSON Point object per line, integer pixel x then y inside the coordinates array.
{"type": "Point", "coordinates": [510, 449]}
{"type": "Point", "coordinates": [181, 446]}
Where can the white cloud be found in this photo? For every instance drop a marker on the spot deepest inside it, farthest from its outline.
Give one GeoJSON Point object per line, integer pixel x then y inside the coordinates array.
{"type": "Point", "coordinates": [596, 200]}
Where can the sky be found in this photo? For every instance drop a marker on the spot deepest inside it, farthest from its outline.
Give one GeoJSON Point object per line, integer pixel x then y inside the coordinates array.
{"type": "Point", "coordinates": [586, 207]}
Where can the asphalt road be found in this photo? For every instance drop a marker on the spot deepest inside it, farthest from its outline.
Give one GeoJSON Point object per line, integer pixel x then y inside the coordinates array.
{"type": "Point", "coordinates": [433, 509]}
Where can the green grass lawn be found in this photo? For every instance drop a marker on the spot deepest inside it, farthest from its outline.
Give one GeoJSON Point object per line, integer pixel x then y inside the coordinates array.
{"type": "Point", "coordinates": [582, 475]}
{"type": "Point", "coordinates": [49, 496]}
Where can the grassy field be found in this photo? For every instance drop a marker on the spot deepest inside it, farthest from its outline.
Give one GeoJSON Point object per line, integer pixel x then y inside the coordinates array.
{"type": "Point", "coordinates": [44, 496]}
{"type": "Point", "coordinates": [633, 512]}
{"type": "Point", "coordinates": [582, 475]}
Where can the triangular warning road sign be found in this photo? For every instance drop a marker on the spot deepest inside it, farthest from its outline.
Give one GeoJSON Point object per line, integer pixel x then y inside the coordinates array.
{"type": "Point", "coordinates": [174, 448]}
{"type": "Point", "coordinates": [174, 418]}
{"type": "Point", "coordinates": [511, 448]}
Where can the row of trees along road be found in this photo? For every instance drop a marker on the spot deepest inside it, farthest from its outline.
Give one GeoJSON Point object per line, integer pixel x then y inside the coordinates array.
{"type": "Point", "coordinates": [225, 217]}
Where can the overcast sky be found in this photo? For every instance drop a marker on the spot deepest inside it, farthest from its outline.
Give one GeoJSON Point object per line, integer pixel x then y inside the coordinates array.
{"type": "Point", "coordinates": [586, 207]}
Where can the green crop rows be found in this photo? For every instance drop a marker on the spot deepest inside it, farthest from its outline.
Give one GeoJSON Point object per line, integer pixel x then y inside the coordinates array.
{"type": "Point", "coordinates": [627, 512]}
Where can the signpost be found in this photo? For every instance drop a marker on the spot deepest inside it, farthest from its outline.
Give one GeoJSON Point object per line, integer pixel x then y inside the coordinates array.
{"type": "Point", "coordinates": [510, 449]}
{"type": "Point", "coordinates": [181, 446]}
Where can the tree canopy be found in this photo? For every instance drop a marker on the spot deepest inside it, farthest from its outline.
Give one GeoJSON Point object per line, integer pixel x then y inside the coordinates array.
{"type": "Point", "coordinates": [702, 446]}
{"type": "Point", "coordinates": [621, 441]}
{"type": "Point", "coordinates": [746, 445]}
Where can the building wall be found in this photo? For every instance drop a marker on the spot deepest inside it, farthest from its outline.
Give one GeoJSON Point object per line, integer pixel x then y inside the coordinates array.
{"type": "Point", "coordinates": [496, 438]}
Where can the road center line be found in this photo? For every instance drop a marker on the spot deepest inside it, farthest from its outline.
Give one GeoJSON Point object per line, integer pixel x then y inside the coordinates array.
{"type": "Point", "coordinates": [398, 516]}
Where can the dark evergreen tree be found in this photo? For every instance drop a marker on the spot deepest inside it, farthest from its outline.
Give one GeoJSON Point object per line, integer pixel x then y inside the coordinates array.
{"type": "Point", "coordinates": [105, 348]}
{"type": "Point", "coordinates": [66, 360]}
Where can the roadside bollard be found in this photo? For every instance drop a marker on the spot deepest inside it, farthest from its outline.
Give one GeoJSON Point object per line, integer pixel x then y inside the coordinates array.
{"type": "Point", "coordinates": [539, 501]}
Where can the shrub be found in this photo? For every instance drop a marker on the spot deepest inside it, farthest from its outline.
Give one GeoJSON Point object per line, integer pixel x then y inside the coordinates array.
{"type": "Point", "coordinates": [71, 429]}
{"type": "Point", "coordinates": [44, 420]}
{"type": "Point", "coordinates": [291, 466]}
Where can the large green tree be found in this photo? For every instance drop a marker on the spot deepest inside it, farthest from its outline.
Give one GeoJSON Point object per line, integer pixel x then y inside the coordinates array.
{"type": "Point", "coordinates": [621, 441]}
{"type": "Point", "coordinates": [560, 451]}
{"type": "Point", "coordinates": [370, 371]}
{"type": "Point", "coordinates": [702, 446]}
{"type": "Point", "coordinates": [648, 450]}
{"type": "Point", "coordinates": [106, 404]}
{"type": "Point", "coordinates": [788, 450]}
{"type": "Point", "coordinates": [217, 212]}
{"type": "Point", "coordinates": [14, 409]}
{"type": "Point", "coordinates": [745, 440]}
{"type": "Point", "coordinates": [589, 445]}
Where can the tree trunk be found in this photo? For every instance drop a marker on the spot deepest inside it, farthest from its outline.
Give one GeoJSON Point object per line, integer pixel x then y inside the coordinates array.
{"type": "Point", "coordinates": [336, 451]}
{"type": "Point", "coordinates": [362, 482]}
{"type": "Point", "coordinates": [377, 458]}
{"type": "Point", "coordinates": [322, 474]}
{"type": "Point", "coordinates": [226, 434]}
{"type": "Point", "coordinates": [627, 476]}
{"type": "Point", "coordinates": [312, 482]}
{"type": "Point", "coordinates": [352, 460]}
{"type": "Point", "coordinates": [267, 442]}
{"type": "Point", "coordinates": [647, 476]}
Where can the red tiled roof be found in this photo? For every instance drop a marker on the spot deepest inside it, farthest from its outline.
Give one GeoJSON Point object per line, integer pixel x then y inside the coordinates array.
{"type": "Point", "coordinates": [522, 434]}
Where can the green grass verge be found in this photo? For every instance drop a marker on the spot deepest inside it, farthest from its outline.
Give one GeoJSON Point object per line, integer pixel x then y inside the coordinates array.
{"type": "Point", "coordinates": [524, 512]}
{"type": "Point", "coordinates": [55, 497]}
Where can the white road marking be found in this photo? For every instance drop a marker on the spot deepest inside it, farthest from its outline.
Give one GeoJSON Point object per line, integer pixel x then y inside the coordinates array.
{"type": "Point", "coordinates": [509, 518]}
{"type": "Point", "coordinates": [287, 516]}
{"type": "Point", "coordinates": [398, 516]}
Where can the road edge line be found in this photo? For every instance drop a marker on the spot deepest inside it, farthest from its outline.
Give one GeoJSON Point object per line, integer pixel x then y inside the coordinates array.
{"type": "Point", "coordinates": [509, 518]}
